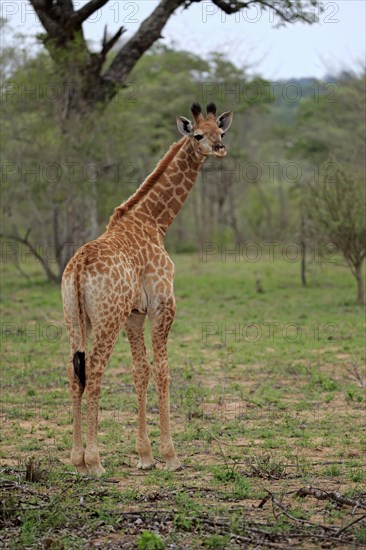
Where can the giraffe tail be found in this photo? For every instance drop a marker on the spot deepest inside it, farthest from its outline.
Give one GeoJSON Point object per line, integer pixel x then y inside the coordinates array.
{"type": "Point", "coordinates": [79, 360]}
{"type": "Point", "coordinates": [79, 367]}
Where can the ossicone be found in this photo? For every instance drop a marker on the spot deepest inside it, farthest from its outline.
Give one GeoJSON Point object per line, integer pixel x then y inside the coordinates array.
{"type": "Point", "coordinates": [196, 111]}
{"type": "Point", "coordinates": [211, 108]}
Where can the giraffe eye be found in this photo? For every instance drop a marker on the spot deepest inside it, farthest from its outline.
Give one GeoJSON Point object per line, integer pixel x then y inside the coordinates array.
{"type": "Point", "coordinates": [198, 137]}
{"type": "Point", "coordinates": [223, 134]}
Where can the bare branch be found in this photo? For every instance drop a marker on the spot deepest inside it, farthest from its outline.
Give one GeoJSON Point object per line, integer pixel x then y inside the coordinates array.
{"type": "Point", "coordinates": [343, 529]}
{"type": "Point", "coordinates": [332, 496]}
{"type": "Point", "coordinates": [86, 11]}
{"type": "Point", "coordinates": [281, 14]}
{"type": "Point", "coordinates": [39, 4]}
{"type": "Point", "coordinates": [230, 6]}
{"type": "Point", "coordinates": [356, 376]}
{"type": "Point", "coordinates": [108, 44]}
{"type": "Point", "coordinates": [24, 240]}
{"type": "Point", "coordinates": [287, 12]}
{"type": "Point", "coordinates": [144, 38]}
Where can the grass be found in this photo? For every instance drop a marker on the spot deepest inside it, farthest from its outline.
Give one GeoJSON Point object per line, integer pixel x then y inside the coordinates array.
{"type": "Point", "coordinates": [266, 398]}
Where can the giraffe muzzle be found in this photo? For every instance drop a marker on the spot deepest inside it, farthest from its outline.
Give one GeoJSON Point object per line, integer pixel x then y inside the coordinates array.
{"type": "Point", "coordinates": [219, 150]}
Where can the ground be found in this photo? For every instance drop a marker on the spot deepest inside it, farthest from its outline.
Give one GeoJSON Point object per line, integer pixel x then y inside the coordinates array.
{"type": "Point", "coordinates": [268, 398]}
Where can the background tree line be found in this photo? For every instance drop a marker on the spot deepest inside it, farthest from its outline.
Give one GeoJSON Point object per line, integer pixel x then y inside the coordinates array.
{"type": "Point", "coordinates": [294, 172]}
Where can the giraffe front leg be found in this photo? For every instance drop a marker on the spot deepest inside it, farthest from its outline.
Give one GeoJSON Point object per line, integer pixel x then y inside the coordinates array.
{"type": "Point", "coordinates": [76, 391]}
{"type": "Point", "coordinates": [141, 374]}
{"type": "Point", "coordinates": [161, 321]}
{"type": "Point", "coordinates": [162, 380]}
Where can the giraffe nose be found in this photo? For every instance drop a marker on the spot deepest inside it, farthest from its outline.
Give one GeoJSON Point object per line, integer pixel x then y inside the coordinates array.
{"type": "Point", "coordinates": [219, 146]}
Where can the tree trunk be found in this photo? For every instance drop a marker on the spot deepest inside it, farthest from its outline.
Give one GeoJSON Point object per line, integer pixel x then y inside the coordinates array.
{"type": "Point", "coordinates": [303, 263]}
{"type": "Point", "coordinates": [360, 285]}
{"type": "Point", "coordinates": [303, 251]}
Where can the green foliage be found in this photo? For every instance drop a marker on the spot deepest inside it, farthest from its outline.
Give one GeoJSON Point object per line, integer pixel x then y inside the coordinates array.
{"type": "Point", "coordinates": [240, 485]}
{"type": "Point", "coordinates": [361, 535]}
{"type": "Point", "coordinates": [181, 521]}
{"type": "Point", "coordinates": [64, 177]}
{"type": "Point", "coordinates": [329, 134]}
{"type": "Point", "coordinates": [336, 207]}
{"type": "Point", "coordinates": [150, 541]}
{"type": "Point", "coordinates": [334, 470]}
{"type": "Point", "coordinates": [216, 542]}
{"type": "Point", "coordinates": [332, 122]}
{"type": "Point", "coordinates": [86, 166]}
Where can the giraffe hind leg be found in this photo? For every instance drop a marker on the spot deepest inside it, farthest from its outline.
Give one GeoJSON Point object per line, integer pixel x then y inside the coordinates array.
{"type": "Point", "coordinates": [96, 362]}
{"type": "Point", "coordinates": [76, 391]}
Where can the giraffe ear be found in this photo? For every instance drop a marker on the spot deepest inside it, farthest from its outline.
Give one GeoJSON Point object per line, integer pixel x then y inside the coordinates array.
{"type": "Point", "coordinates": [224, 121]}
{"type": "Point", "coordinates": [184, 125]}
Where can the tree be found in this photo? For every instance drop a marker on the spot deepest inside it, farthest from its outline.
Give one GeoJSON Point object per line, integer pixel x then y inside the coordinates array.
{"type": "Point", "coordinates": [336, 206]}
{"type": "Point", "coordinates": [50, 176]}
{"type": "Point", "coordinates": [57, 125]}
{"type": "Point", "coordinates": [91, 78]}
{"type": "Point", "coordinates": [331, 125]}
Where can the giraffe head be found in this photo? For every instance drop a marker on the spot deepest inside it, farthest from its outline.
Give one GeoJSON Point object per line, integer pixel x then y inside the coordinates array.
{"type": "Point", "coordinates": [206, 133]}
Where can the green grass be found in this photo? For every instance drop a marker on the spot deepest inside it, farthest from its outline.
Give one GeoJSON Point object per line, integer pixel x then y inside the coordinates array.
{"type": "Point", "coordinates": [266, 395]}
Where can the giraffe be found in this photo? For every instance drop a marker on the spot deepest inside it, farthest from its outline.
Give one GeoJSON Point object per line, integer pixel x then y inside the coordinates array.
{"type": "Point", "coordinates": [125, 275]}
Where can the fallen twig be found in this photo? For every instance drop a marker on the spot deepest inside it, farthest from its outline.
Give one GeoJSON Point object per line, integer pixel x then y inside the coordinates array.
{"type": "Point", "coordinates": [356, 376]}
{"type": "Point", "coordinates": [332, 496]}
{"type": "Point", "coordinates": [285, 511]}
{"type": "Point", "coordinates": [349, 525]}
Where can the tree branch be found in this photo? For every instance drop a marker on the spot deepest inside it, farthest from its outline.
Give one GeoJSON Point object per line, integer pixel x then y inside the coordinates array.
{"type": "Point", "coordinates": [48, 17]}
{"type": "Point", "coordinates": [63, 24]}
{"type": "Point", "coordinates": [108, 44]}
{"type": "Point", "coordinates": [67, 8]}
{"type": "Point", "coordinates": [86, 11]}
{"type": "Point", "coordinates": [332, 496]}
{"type": "Point", "coordinates": [230, 7]}
{"type": "Point", "coordinates": [144, 38]}
{"type": "Point", "coordinates": [50, 274]}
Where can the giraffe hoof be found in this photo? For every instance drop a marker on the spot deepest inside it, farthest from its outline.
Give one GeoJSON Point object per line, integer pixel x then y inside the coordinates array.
{"type": "Point", "coordinates": [173, 465]}
{"type": "Point", "coordinates": [96, 470]}
{"type": "Point", "coordinates": [78, 460]}
{"type": "Point", "coordinates": [146, 463]}
{"type": "Point", "coordinates": [82, 470]}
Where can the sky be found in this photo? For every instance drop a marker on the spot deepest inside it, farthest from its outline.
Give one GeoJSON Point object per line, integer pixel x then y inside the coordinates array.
{"type": "Point", "coordinates": [249, 39]}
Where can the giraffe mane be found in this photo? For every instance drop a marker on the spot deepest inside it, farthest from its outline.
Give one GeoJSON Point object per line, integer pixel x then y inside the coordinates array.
{"type": "Point", "coordinates": [147, 184]}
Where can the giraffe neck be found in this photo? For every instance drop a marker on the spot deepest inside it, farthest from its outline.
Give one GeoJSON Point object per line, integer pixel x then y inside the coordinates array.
{"type": "Point", "coordinates": [165, 199]}
{"type": "Point", "coordinates": [161, 196]}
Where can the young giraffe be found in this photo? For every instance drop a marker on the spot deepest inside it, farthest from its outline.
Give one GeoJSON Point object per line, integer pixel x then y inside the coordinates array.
{"type": "Point", "coordinates": [126, 274]}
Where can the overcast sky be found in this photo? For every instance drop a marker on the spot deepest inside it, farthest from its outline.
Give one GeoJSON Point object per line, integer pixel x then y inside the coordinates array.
{"type": "Point", "coordinates": [248, 38]}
